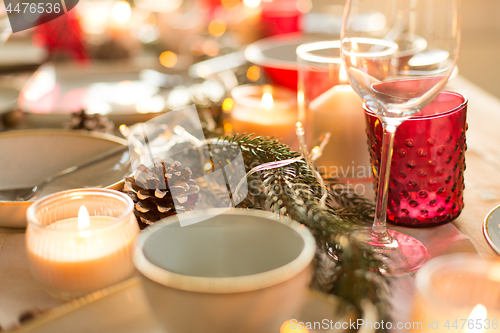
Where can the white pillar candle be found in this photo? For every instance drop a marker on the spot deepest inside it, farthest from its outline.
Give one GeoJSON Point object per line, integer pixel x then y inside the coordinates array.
{"type": "Point", "coordinates": [339, 111]}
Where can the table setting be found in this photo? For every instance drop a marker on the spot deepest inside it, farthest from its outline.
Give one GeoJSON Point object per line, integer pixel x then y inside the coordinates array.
{"type": "Point", "coordinates": [245, 166]}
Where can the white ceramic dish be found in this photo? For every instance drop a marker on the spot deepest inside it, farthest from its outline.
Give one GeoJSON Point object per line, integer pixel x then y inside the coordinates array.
{"type": "Point", "coordinates": [124, 309]}
{"type": "Point", "coordinates": [116, 90]}
{"type": "Point", "coordinates": [28, 157]}
{"type": "Point", "coordinates": [491, 229]}
{"type": "Point", "coordinates": [237, 270]}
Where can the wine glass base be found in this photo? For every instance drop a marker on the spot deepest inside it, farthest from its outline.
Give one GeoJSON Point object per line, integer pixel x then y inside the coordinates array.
{"type": "Point", "coordinates": [399, 253]}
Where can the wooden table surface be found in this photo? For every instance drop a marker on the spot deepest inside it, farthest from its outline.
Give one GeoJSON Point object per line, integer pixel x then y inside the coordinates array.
{"type": "Point", "coordinates": [482, 175]}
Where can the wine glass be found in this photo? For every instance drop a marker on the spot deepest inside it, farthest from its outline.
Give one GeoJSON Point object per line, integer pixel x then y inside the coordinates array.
{"type": "Point", "coordinates": [397, 63]}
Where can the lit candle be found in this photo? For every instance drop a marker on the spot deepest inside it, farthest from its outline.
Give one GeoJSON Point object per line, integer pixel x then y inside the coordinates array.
{"type": "Point", "coordinates": [339, 111]}
{"type": "Point", "coordinates": [73, 256]}
{"type": "Point", "coordinates": [457, 293]}
{"type": "Point", "coordinates": [265, 111]}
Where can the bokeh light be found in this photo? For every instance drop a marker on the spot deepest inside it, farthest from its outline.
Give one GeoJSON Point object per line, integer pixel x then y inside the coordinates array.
{"type": "Point", "coordinates": [227, 105]}
{"type": "Point", "coordinates": [211, 48]}
{"type": "Point", "coordinates": [251, 3]}
{"type": "Point", "coordinates": [253, 73]}
{"type": "Point", "coordinates": [168, 59]}
{"type": "Point", "coordinates": [217, 27]}
{"type": "Point", "coordinates": [121, 11]}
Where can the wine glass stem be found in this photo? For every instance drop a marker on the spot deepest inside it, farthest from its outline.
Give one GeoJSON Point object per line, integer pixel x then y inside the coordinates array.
{"type": "Point", "coordinates": [379, 228]}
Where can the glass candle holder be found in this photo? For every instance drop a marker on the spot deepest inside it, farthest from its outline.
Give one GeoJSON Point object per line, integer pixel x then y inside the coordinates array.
{"type": "Point", "coordinates": [428, 163]}
{"type": "Point", "coordinates": [81, 240]}
{"type": "Point", "coordinates": [327, 103]}
{"type": "Point", "coordinates": [457, 293]}
{"type": "Point", "coordinates": [265, 110]}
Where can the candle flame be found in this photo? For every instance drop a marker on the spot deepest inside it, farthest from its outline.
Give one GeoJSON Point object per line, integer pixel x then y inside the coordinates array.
{"type": "Point", "coordinates": [342, 74]}
{"type": "Point", "coordinates": [267, 100]}
{"type": "Point", "coordinates": [479, 313]}
{"type": "Point", "coordinates": [292, 326]}
{"type": "Point", "coordinates": [83, 218]}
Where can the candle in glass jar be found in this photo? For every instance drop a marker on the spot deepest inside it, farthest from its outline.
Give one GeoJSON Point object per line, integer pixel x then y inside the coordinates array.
{"type": "Point", "coordinates": [74, 256]}
{"type": "Point", "coordinates": [457, 293]}
{"type": "Point", "coordinates": [339, 111]}
{"type": "Point", "coordinates": [265, 111]}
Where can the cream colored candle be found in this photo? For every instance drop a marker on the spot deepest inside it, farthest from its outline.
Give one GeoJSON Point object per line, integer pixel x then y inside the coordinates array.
{"type": "Point", "coordinates": [78, 255]}
{"type": "Point", "coordinates": [265, 111]}
{"type": "Point", "coordinates": [457, 293]}
{"type": "Point", "coordinates": [339, 111]}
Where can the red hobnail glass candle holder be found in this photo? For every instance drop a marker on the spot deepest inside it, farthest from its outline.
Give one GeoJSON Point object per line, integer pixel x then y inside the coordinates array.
{"type": "Point", "coordinates": [427, 170]}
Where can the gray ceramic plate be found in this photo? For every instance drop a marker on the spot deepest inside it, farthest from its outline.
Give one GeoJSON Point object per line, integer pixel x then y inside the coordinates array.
{"type": "Point", "coordinates": [491, 229]}
{"type": "Point", "coordinates": [28, 157]}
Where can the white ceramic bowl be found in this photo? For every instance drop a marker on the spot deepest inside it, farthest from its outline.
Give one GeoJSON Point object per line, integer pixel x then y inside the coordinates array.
{"type": "Point", "coordinates": [28, 157]}
{"type": "Point", "coordinates": [237, 271]}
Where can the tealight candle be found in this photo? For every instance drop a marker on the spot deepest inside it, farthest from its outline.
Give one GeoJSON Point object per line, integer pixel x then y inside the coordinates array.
{"type": "Point", "coordinates": [266, 111]}
{"type": "Point", "coordinates": [457, 293]}
{"type": "Point", "coordinates": [80, 241]}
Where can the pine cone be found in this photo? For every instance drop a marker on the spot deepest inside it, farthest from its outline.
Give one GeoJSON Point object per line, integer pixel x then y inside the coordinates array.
{"type": "Point", "coordinates": [90, 122]}
{"type": "Point", "coordinates": [153, 197]}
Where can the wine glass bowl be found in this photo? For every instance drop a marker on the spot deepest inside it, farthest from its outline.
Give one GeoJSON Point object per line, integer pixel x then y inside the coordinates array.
{"type": "Point", "coordinates": [415, 40]}
{"type": "Point", "coordinates": [397, 69]}
{"type": "Point", "coordinates": [5, 29]}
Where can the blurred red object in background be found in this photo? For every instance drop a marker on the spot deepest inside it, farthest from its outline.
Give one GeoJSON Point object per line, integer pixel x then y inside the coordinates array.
{"type": "Point", "coordinates": [62, 37]}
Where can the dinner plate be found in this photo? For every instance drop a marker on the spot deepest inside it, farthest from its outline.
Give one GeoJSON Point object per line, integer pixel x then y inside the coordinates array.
{"type": "Point", "coordinates": [491, 229]}
{"type": "Point", "coordinates": [124, 309]}
{"type": "Point", "coordinates": [121, 91]}
{"type": "Point", "coordinates": [28, 157]}
{"type": "Point", "coordinates": [8, 99]}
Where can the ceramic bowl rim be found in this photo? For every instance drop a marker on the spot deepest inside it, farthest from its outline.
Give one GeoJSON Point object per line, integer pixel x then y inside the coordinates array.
{"type": "Point", "coordinates": [224, 285]}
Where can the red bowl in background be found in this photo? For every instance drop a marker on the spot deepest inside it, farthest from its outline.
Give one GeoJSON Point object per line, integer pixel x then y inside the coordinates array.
{"type": "Point", "coordinates": [276, 55]}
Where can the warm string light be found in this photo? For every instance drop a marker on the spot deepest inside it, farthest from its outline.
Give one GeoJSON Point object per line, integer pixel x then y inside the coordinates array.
{"type": "Point", "coordinates": [122, 12]}
{"type": "Point", "coordinates": [299, 130]}
{"type": "Point", "coordinates": [227, 105]}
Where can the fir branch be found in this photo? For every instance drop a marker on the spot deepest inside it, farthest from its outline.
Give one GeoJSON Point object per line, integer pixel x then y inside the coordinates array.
{"type": "Point", "coordinates": [345, 267]}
